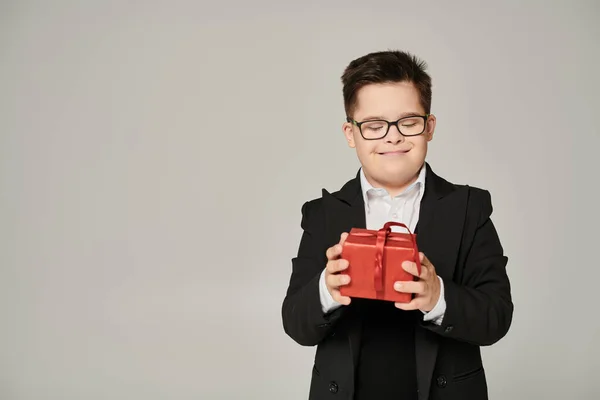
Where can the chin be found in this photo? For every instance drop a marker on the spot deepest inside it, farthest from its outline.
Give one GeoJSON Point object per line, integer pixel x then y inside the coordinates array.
{"type": "Point", "coordinates": [390, 169]}
{"type": "Point", "coordinates": [398, 166]}
{"type": "Point", "coordinates": [399, 171]}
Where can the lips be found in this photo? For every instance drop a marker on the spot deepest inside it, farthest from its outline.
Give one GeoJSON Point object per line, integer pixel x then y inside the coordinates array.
{"type": "Point", "coordinates": [394, 152]}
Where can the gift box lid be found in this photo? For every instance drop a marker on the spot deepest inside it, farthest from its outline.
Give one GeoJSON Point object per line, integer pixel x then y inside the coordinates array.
{"type": "Point", "coordinates": [368, 237]}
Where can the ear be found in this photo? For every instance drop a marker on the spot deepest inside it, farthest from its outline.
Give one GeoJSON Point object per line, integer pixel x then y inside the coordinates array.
{"type": "Point", "coordinates": [431, 121]}
{"type": "Point", "coordinates": [348, 130]}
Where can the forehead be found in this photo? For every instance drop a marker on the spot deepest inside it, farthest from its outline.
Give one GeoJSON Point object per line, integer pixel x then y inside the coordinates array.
{"type": "Point", "coordinates": [388, 100]}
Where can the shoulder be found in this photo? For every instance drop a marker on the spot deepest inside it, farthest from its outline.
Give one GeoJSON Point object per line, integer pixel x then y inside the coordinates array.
{"type": "Point", "coordinates": [478, 200]}
{"type": "Point", "coordinates": [345, 194]}
{"type": "Point", "coordinates": [311, 209]}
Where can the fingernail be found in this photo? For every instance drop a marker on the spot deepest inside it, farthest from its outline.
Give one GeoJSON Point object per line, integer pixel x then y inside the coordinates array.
{"type": "Point", "coordinates": [398, 285]}
{"type": "Point", "coordinates": [346, 279]}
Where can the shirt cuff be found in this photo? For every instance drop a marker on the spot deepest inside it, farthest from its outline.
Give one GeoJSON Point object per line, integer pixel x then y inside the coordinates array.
{"type": "Point", "coordinates": [436, 315]}
{"type": "Point", "coordinates": [328, 304]}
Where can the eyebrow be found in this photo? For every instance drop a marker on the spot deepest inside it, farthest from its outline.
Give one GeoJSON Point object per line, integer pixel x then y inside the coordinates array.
{"type": "Point", "coordinates": [403, 115]}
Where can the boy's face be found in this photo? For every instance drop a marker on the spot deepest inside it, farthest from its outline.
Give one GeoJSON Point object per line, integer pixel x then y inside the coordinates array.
{"type": "Point", "coordinates": [392, 162]}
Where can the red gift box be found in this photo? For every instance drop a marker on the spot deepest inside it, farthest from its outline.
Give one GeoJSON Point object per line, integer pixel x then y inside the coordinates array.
{"type": "Point", "coordinates": [375, 262]}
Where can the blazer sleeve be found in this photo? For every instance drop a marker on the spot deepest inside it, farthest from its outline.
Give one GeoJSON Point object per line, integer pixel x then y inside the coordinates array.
{"type": "Point", "coordinates": [479, 306]}
{"type": "Point", "coordinates": [302, 314]}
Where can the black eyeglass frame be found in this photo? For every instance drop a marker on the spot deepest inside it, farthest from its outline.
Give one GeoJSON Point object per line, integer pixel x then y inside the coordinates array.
{"type": "Point", "coordinates": [389, 124]}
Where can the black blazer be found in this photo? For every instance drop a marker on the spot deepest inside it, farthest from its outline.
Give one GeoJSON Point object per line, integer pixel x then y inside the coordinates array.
{"type": "Point", "coordinates": [457, 235]}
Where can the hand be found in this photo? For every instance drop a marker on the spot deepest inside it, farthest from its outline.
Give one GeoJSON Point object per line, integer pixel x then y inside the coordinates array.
{"type": "Point", "coordinates": [426, 289]}
{"type": "Point", "coordinates": [335, 264]}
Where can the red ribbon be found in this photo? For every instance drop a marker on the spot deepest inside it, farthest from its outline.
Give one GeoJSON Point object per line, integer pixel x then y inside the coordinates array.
{"type": "Point", "coordinates": [382, 237]}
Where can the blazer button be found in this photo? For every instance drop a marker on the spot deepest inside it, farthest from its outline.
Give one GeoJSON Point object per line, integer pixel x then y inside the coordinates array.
{"type": "Point", "coordinates": [333, 387]}
{"type": "Point", "coordinates": [449, 329]}
{"type": "Point", "coordinates": [442, 381]}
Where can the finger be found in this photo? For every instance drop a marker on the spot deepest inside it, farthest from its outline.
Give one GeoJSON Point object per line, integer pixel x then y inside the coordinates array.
{"type": "Point", "coordinates": [411, 268]}
{"type": "Point", "coordinates": [417, 287]}
{"type": "Point", "coordinates": [334, 251]}
{"type": "Point", "coordinates": [427, 268]}
{"type": "Point", "coordinates": [343, 238]}
{"type": "Point", "coordinates": [335, 281]}
{"type": "Point", "coordinates": [338, 265]}
{"type": "Point", "coordinates": [425, 260]}
{"type": "Point", "coordinates": [345, 300]}
{"type": "Point", "coordinates": [414, 304]}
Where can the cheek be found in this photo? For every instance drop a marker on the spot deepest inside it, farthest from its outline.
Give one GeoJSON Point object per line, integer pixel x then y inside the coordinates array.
{"type": "Point", "coordinates": [420, 144]}
{"type": "Point", "coordinates": [366, 148]}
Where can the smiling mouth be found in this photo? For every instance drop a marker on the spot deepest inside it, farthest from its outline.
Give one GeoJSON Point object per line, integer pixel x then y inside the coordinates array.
{"type": "Point", "coordinates": [394, 153]}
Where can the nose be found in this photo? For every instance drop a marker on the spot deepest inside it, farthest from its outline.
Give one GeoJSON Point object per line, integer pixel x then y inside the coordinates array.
{"type": "Point", "coordinates": [394, 136]}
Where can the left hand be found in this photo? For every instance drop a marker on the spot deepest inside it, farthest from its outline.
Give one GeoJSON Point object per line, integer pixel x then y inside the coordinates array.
{"type": "Point", "coordinates": [426, 288]}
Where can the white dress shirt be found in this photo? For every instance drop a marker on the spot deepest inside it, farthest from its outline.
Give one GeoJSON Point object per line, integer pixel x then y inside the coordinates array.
{"type": "Point", "coordinates": [379, 209]}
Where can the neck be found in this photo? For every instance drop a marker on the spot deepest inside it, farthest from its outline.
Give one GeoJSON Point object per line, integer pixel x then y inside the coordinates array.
{"type": "Point", "coordinates": [393, 188]}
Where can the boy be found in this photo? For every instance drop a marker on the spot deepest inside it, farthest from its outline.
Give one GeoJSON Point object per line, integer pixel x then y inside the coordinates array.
{"type": "Point", "coordinates": [428, 348]}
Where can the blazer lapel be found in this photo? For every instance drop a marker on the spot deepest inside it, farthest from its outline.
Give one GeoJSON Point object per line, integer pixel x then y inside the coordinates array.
{"type": "Point", "coordinates": [345, 210]}
{"type": "Point", "coordinates": [438, 229]}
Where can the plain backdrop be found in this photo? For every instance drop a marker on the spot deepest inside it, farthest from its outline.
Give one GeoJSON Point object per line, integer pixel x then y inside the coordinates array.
{"type": "Point", "coordinates": [154, 157]}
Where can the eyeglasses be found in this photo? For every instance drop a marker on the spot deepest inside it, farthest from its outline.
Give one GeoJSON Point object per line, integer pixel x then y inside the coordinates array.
{"type": "Point", "coordinates": [377, 128]}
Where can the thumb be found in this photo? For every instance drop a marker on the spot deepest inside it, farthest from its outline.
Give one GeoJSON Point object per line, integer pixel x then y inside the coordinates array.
{"type": "Point", "coordinates": [343, 238]}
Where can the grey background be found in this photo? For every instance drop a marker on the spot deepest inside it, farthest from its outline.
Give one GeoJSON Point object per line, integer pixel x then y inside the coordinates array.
{"type": "Point", "coordinates": [154, 157]}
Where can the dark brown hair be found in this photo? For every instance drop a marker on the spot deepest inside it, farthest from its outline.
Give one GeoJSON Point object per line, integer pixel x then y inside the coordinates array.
{"type": "Point", "coordinates": [385, 67]}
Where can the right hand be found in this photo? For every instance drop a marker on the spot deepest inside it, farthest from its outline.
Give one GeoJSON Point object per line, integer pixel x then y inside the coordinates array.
{"type": "Point", "coordinates": [333, 276]}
